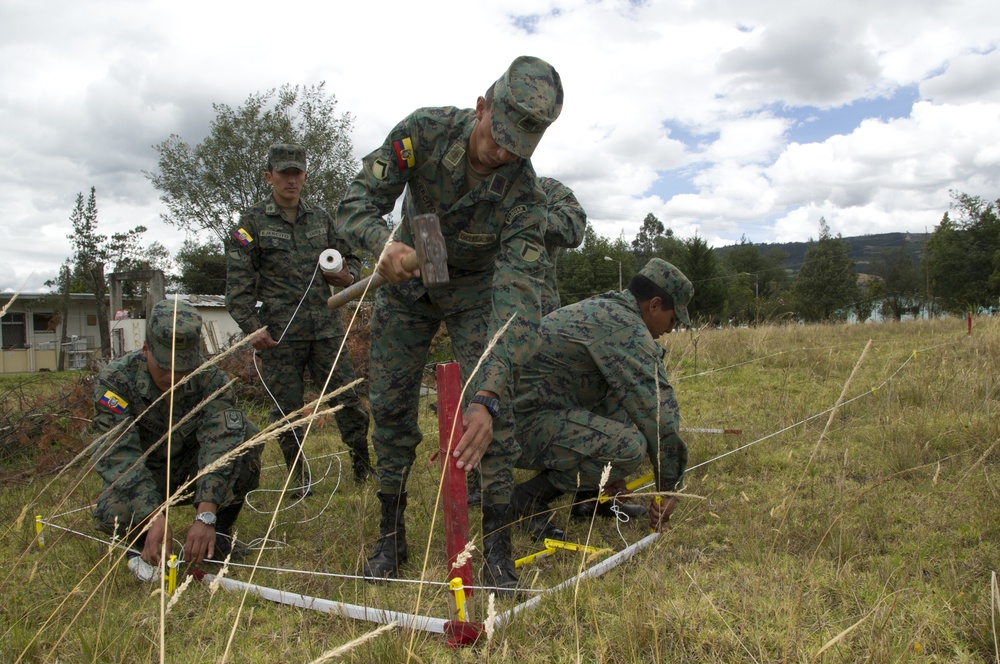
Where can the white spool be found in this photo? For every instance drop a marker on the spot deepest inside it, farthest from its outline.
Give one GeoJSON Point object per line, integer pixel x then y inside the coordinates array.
{"type": "Point", "coordinates": [330, 261]}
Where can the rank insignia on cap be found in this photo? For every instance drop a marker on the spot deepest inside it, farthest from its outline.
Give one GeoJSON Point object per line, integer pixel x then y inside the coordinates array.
{"type": "Point", "coordinates": [242, 237]}
{"type": "Point", "coordinates": [114, 403]}
{"type": "Point", "coordinates": [404, 153]}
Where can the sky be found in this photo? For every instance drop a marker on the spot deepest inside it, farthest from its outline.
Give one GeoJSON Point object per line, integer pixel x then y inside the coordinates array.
{"type": "Point", "coordinates": [724, 118]}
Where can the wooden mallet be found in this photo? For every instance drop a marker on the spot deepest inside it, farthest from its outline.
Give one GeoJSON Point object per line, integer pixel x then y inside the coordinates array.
{"type": "Point", "coordinates": [430, 256]}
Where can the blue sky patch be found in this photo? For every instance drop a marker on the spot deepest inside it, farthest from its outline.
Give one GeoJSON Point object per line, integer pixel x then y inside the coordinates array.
{"type": "Point", "coordinates": [815, 125]}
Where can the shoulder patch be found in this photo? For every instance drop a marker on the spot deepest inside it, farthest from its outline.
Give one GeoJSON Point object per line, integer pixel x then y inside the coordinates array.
{"type": "Point", "coordinates": [234, 419]}
{"type": "Point", "coordinates": [404, 153]}
{"type": "Point", "coordinates": [113, 402]}
{"type": "Point", "coordinates": [515, 212]}
{"type": "Point", "coordinates": [380, 168]}
{"type": "Point", "coordinates": [242, 236]}
{"type": "Point", "coordinates": [530, 252]}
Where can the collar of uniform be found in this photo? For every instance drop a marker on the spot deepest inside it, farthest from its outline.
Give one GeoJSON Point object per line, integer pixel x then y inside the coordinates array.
{"type": "Point", "coordinates": [271, 208]}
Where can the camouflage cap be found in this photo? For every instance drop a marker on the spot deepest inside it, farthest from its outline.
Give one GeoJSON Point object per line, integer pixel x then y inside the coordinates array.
{"type": "Point", "coordinates": [185, 335]}
{"type": "Point", "coordinates": [673, 281]}
{"type": "Point", "coordinates": [526, 100]}
{"type": "Point", "coordinates": [282, 156]}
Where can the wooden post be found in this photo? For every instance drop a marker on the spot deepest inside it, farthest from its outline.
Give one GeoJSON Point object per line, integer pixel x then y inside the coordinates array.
{"type": "Point", "coordinates": [453, 492]}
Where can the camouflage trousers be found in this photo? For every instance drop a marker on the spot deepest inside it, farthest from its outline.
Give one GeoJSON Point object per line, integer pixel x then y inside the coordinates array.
{"type": "Point", "coordinates": [404, 321]}
{"type": "Point", "coordinates": [283, 373]}
{"type": "Point", "coordinates": [575, 445]}
{"type": "Point", "coordinates": [244, 477]}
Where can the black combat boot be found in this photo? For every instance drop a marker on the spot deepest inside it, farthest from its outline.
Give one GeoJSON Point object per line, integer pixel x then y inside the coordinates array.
{"type": "Point", "coordinates": [498, 568]}
{"type": "Point", "coordinates": [530, 502]}
{"type": "Point", "coordinates": [390, 549]}
{"type": "Point", "coordinates": [585, 502]}
{"type": "Point", "coordinates": [225, 545]}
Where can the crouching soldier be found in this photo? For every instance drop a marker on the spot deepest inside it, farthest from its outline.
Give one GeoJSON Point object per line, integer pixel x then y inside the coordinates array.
{"type": "Point", "coordinates": [133, 459]}
{"type": "Point", "coordinates": [596, 393]}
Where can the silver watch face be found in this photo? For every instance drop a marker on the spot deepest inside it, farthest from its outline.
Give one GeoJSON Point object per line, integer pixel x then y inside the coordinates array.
{"type": "Point", "coordinates": [207, 518]}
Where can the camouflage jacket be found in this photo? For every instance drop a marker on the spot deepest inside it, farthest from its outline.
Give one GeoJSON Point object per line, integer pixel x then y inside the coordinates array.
{"type": "Point", "coordinates": [123, 391]}
{"type": "Point", "coordinates": [272, 259]}
{"type": "Point", "coordinates": [495, 228]}
{"type": "Point", "coordinates": [598, 355]}
{"type": "Point", "coordinates": [565, 228]}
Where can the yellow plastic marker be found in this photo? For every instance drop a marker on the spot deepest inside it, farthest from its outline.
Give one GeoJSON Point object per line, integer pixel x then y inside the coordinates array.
{"type": "Point", "coordinates": [459, 590]}
{"type": "Point", "coordinates": [553, 545]}
{"type": "Point", "coordinates": [547, 551]}
{"type": "Point", "coordinates": [39, 535]}
{"type": "Point", "coordinates": [631, 486]}
{"type": "Point", "coordinates": [172, 574]}
{"type": "Point", "coordinates": [659, 501]}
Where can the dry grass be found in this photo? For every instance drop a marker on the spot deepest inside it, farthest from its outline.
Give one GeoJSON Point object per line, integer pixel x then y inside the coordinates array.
{"type": "Point", "coordinates": [868, 535]}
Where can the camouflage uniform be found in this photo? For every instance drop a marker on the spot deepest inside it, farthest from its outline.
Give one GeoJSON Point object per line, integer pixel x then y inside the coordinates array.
{"type": "Point", "coordinates": [597, 392]}
{"type": "Point", "coordinates": [567, 223]}
{"type": "Point", "coordinates": [496, 263]}
{"type": "Point", "coordinates": [125, 392]}
{"type": "Point", "coordinates": [274, 259]}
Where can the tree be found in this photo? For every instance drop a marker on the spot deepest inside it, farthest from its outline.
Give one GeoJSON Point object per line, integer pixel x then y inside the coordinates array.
{"type": "Point", "coordinates": [584, 272]}
{"type": "Point", "coordinates": [827, 281]}
{"type": "Point", "coordinates": [961, 256]}
{"type": "Point", "coordinates": [208, 186]}
{"type": "Point", "coordinates": [644, 244]}
{"type": "Point", "coordinates": [202, 268]}
{"type": "Point", "coordinates": [756, 283]}
{"type": "Point", "coordinates": [868, 296]}
{"type": "Point", "coordinates": [92, 251]}
{"type": "Point", "coordinates": [700, 264]}
{"type": "Point", "coordinates": [901, 283]}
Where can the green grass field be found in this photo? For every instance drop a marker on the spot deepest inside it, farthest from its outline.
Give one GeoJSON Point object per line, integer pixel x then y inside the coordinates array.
{"type": "Point", "coordinates": [867, 531]}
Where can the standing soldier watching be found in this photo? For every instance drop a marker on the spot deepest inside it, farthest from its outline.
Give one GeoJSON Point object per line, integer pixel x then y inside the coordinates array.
{"type": "Point", "coordinates": [472, 168]}
{"type": "Point", "coordinates": [127, 394]}
{"type": "Point", "coordinates": [273, 257]}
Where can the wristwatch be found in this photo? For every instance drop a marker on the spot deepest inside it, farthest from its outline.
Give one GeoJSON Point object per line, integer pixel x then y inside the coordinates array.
{"type": "Point", "coordinates": [492, 405]}
{"type": "Point", "coordinates": [206, 518]}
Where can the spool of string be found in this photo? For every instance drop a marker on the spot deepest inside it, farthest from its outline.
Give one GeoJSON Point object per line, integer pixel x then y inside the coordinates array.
{"type": "Point", "coordinates": [330, 261]}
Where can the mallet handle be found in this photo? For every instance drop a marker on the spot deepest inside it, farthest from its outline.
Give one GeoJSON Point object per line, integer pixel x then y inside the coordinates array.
{"type": "Point", "coordinates": [355, 290]}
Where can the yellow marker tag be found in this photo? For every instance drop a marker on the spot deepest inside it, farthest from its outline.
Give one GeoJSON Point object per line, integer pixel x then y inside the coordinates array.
{"type": "Point", "coordinates": [459, 590]}
{"type": "Point", "coordinates": [39, 535]}
{"type": "Point", "coordinates": [172, 574]}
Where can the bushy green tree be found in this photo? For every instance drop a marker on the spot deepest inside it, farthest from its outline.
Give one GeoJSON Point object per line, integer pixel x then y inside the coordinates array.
{"type": "Point", "coordinates": [755, 283]}
{"type": "Point", "coordinates": [207, 187]}
{"type": "Point", "coordinates": [584, 271]}
{"type": "Point", "coordinates": [899, 274]}
{"type": "Point", "coordinates": [644, 245]}
{"type": "Point", "coordinates": [202, 268]}
{"type": "Point", "coordinates": [701, 265]}
{"type": "Point", "coordinates": [963, 255]}
{"type": "Point", "coordinates": [827, 283]}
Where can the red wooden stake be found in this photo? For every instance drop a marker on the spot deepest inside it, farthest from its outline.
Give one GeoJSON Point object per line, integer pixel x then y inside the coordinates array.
{"type": "Point", "coordinates": [453, 492]}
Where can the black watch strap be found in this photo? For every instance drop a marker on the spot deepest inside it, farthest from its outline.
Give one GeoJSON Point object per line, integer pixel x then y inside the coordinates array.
{"type": "Point", "coordinates": [492, 405]}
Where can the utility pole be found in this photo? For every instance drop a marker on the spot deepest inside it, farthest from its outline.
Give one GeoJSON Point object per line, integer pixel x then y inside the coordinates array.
{"type": "Point", "coordinates": [609, 258]}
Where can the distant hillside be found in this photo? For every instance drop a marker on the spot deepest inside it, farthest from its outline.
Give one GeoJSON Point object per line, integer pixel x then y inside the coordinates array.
{"type": "Point", "coordinates": [864, 249]}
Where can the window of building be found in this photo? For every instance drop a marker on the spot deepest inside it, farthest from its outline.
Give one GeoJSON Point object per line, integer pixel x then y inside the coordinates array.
{"type": "Point", "coordinates": [14, 332]}
{"type": "Point", "coordinates": [44, 323]}
{"type": "Point", "coordinates": [92, 320]}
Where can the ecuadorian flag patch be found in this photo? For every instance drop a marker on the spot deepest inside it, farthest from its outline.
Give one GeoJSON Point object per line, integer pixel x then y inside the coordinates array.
{"type": "Point", "coordinates": [242, 236]}
{"type": "Point", "coordinates": [404, 153]}
{"type": "Point", "coordinates": [114, 403]}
